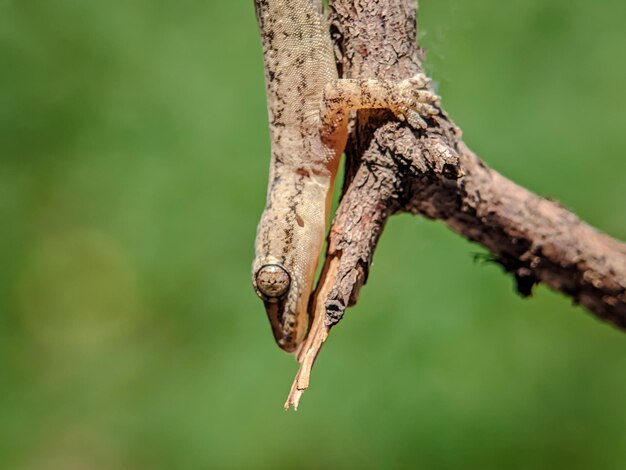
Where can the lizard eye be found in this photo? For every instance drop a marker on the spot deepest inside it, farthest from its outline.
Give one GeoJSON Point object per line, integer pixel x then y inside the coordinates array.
{"type": "Point", "coordinates": [273, 281]}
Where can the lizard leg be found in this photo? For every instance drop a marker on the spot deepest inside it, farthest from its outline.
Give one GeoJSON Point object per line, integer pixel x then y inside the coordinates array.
{"type": "Point", "coordinates": [408, 99]}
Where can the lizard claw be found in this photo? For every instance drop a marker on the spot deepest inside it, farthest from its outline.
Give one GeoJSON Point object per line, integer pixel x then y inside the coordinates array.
{"type": "Point", "coordinates": [415, 120]}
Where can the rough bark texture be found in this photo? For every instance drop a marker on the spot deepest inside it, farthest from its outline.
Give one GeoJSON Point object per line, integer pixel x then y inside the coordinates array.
{"type": "Point", "coordinates": [392, 168]}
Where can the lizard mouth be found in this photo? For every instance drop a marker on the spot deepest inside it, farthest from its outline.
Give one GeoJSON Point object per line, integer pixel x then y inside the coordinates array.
{"type": "Point", "coordinates": [285, 325]}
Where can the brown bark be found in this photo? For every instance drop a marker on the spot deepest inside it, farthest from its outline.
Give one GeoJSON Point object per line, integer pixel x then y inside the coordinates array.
{"type": "Point", "coordinates": [392, 168]}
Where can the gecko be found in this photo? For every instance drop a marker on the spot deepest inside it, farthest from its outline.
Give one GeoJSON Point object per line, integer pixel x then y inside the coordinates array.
{"type": "Point", "coordinates": [309, 109]}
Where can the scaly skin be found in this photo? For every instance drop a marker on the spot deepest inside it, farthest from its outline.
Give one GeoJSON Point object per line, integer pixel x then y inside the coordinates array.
{"type": "Point", "coordinates": [308, 110]}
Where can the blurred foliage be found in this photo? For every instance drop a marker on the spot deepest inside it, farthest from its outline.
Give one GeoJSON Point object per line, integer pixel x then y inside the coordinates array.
{"type": "Point", "coordinates": [133, 162]}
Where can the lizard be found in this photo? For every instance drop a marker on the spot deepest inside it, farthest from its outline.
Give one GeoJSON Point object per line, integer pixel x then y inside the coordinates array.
{"type": "Point", "coordinates": [309, 109]}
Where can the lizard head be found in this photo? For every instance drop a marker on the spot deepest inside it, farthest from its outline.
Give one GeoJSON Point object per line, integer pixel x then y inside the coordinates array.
{"type": "Point", "coordinates": [285, 303]}
{"type": "Point", "coordinates": [289, 241]}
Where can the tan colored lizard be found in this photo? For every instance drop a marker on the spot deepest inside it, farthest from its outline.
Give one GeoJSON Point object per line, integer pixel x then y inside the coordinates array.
{"type": "Point", "coordinates": [309, 108]}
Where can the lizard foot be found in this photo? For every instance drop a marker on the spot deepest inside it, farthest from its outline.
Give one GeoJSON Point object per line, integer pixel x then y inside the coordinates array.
{"type": "Point", "coordinates": [415, 100]}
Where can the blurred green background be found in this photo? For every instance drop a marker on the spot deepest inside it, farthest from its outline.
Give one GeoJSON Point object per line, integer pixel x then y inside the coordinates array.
{"type": "Point", "coordinates": [133, 165]}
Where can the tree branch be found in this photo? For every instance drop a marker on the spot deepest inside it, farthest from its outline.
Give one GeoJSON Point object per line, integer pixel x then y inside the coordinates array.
{"type": "Point", "coordinates": [392, 169]}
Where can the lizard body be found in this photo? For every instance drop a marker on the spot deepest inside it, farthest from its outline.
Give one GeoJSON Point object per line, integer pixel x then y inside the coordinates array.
{"type": "Point", "coordinates": [308, 109]}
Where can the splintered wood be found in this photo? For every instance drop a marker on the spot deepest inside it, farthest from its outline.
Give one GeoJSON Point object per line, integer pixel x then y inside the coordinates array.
{"type": "Point", "coordinates": [317, 334]}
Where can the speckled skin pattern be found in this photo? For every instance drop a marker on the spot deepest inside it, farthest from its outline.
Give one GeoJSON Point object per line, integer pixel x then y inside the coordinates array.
{"type": "Point", "coordinates": [308, 110]}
